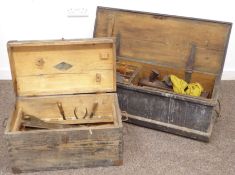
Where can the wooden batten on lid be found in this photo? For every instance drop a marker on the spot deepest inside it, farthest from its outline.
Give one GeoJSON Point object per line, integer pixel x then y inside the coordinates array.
{"type": "Point", "coordinates": [63, 66]}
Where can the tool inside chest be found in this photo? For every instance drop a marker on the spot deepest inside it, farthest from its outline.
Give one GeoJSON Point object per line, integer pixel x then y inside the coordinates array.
{"type": "Point", "coordinates": [156, 77]}
{"type": "Point", "coordinates": [64, 112]}
{"type": "Point", "coordinates": [126, 73]}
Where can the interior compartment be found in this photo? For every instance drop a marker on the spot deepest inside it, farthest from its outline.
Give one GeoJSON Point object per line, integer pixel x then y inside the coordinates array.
{"type": "Point", "coordinates": [144, 70]}
{"type": "Point", "coordinates": [45, 108]}
{"type": "Point", "coordinates": [169, 44]}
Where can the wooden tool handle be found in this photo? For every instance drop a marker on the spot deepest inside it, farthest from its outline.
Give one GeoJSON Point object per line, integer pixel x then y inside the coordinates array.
{"type": "Point", "coordinates": [60, 107]}
{"type": "Point", "coordinates": [59, 104]}
{"type": "Point", "coordinates": [94, 108]}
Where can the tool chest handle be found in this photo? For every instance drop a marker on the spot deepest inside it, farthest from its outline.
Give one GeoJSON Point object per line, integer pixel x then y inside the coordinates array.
{"type": "Point", "coordinates": [218, 111]}
{"type": "Point", "coordinates": [124, 116]}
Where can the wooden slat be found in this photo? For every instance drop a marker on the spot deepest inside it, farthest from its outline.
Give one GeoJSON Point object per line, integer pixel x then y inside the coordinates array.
{"type": "Point", "coordinates": [35, 66]}
{"type": "Point", "coordinates": [170, 55]}
{"type": "Point", "coordinates": [61, 42]}
{"type": "Point", "coordinates": [172, 30]}
{"type": "Point", "coordinates": [64, 83]}
{"type": "Point", "coordinates": [87, 120]}
{"type": "Point", "coordinates": [81, 58]}
{"type": "Point", "coordinates": [65, 148]}
{"type": "Point", "coordinates": [166, 40]}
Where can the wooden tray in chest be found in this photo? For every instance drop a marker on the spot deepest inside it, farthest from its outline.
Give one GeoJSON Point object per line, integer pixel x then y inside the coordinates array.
{"type": "Point", "coordinates": [192, 49]}
{"type": "Point", "coordinates": [66, 113]}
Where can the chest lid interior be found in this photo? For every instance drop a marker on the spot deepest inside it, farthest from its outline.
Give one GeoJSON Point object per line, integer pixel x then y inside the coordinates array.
{"type": "Point", "coordinates": [63, 66]}
{"type": "Point", "coordinates": [165, 40]}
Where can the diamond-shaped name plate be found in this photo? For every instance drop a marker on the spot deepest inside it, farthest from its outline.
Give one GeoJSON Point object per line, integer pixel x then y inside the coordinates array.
{"type": "Point", "coordinates": [63, 66]}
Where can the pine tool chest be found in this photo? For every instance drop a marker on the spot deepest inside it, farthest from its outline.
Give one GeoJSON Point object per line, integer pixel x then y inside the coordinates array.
{"type": "Point", "coordinates": [66, 113]}
{"type": "Point", "coordinates": [168, 69]}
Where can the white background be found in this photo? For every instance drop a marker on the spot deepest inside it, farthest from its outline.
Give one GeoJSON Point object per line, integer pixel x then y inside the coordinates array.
{"type": "Point", "coordinates": [48, 19]}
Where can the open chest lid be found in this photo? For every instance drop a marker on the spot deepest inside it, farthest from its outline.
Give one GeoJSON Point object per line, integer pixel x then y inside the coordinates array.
{"type": "Point", "coordinates": [165, 40]}
{"type": "Point", "coordinates": [63, 66]}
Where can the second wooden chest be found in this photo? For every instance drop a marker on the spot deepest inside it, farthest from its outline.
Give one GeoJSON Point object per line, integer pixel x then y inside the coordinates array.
{"type": "Point", "coordinates": [192, 49]}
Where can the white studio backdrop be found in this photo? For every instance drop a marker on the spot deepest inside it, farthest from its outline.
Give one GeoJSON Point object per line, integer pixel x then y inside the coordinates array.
{"type": "Point", "coordinates": [49, 19]}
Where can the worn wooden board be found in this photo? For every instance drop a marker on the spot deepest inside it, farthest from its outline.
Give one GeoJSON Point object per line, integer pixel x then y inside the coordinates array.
{"type": "Point", "coordinates": [78, 148]}
{"type": "Point", "coordinates": [63, 67]}
{"type": "Point", "coordinates": [63, 149]}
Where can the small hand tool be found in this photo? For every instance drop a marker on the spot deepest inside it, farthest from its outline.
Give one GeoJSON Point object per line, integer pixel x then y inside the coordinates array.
{"type": "Point", "coordinates": [94, 108]}
{"type": "Point", "coordinates": [156, 84]}
{"type": "Point", "coordinates": [59, 104]}
{"type": "Point", "coordinates": [31, 121]}
{"type": "Point", "coordinates": [154, 75]}
{"type": "Point", "coordinates": [75, 112]}
{"type": "Point", "coordinates": [85, 114]}
{"type": "Point", "coordinates": [166, 79]}
{"type": "Point", "coordinates": [125, 70]}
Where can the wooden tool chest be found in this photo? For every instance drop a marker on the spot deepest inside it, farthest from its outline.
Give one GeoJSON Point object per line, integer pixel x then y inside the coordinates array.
{"type": "Point", "coordinates": [148, 44]}
{"type": "Point", "coordinates": [66, 113]}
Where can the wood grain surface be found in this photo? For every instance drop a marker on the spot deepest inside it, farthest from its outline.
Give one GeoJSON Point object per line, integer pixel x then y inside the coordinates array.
{"type": "Point", "coordinates": [63, 67]}
{"type": "Point", "coordinates": [164, 39]}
